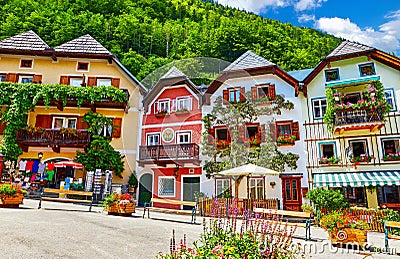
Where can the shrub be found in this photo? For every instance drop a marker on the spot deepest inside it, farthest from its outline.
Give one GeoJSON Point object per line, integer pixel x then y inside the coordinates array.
{"type": "Point", "coordinates": [327, 199]}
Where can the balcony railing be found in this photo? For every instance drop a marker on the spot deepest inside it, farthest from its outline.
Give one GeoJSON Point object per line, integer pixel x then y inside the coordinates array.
{"type": "Point", "coordinates": [177, 153]}
{"type": "Point", "coordinates": [53, 138]}
{"type": "Point", "coordinates": [351, 116]}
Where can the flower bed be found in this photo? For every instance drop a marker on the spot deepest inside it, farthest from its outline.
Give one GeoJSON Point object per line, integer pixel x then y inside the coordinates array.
{"type": "Point", "coordinates": [119, 204]}
{"type": "Point", "coordinates": [10, 196]}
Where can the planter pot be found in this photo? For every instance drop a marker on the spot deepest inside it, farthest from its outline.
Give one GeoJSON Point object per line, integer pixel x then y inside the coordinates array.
{"type": "Point", "coordinates": [159, 115]}
{"type": "Point", "coordinates": [122, 209]}
{"type": "Point", "coordinates": [349, 235]}
{"type": "Point", "coordinates": [13, 202]}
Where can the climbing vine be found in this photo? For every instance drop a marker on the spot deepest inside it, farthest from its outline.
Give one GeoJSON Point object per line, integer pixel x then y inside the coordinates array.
{"type": "Point", "coordinates": [18, 99]}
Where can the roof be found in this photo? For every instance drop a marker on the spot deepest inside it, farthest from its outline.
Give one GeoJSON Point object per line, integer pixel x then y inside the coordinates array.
{"type": "Point", "coordinates": [348, 47]}
{"type": "Point", "coordinates": [85, 44]}
{"type": "Point", "coordinates": [28, 41]}
{"type": "Point", "coordinates": [299, 75]}
{"type": "Point", "coordinates": [173, 72]}
{"type": "Point", "coordinates": [248, 60]}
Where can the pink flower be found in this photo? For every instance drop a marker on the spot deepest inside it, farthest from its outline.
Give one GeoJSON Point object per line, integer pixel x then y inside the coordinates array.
{"type": "Point", "coordinates": [216, 249]}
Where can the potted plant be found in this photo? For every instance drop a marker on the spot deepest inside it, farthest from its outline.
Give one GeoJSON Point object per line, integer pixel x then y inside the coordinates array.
{"type": "Point", "coordinates": [343, 228]}
{"type": "Point", "coordinates": [133, 182]}
{"type": "Point", "coordinates": [307, 207]}
{"type": "Point", "coordinates": [119, 204]}
{"type": "Point", "coordinates": [286, 139]}
{"type": "Point", "coordinates": [329, 160]}
{"type": "Point", "coordinates": [11, 196]}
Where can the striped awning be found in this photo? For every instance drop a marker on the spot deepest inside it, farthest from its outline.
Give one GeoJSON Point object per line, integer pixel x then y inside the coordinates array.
{"type": "Point", "coordinates": [357, 179]}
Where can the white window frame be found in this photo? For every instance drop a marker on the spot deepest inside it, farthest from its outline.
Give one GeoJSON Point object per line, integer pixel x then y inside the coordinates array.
{"type": "Point", "coordinates": [254, 183]}
{"type": "Point", "coordinates": [226, 185]}
{"type": "Point", "coordinates": [390, 139]}
{"type": "Point", "coordinates": [392, 93]}
{"type": "Point", "coordinates": [108, 80]}
{"type": "Point", "coordinates": [161, 194]}
{"type": "Point", "coordinates": [181, 101]}
{"type": "Point", "coordinates": [366, 64]}
{"type": "Point", "coordinates": [158, 104]}
{"type": "Point", "coordinates": [65, 121]}
{"type": "Point", "coordinates": [75, 79]}
{"type": "Point", "coordinates": [236, 97]}
{"type": "Point", "coordinates": [151, 135]}
{"type": "Point", "coordinates": [260, 87]}
{"type": "Point", "coordinates": [359, 140]}
{"type": "Point", "coordinates": [181, 133]}
{"type": "Point", "coordinates": [82, 70]}
{"type": "Point", "coordinates": [319, 106]}
{"type": "Point", "coordinates": [21, 77]}
{"type": "Point", "coordinates": [20, 63]}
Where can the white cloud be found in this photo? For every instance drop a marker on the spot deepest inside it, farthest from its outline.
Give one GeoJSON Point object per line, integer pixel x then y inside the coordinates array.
{"type": "Point", "coordinates": [305, 18]}
{"type": "Point", "coordinates": [308, 4]}
{"type": "Point", "coordinates": [392, 27]}
{"type": "Point", "coordinates": [386, 38]}
{"type": "Point", "coordinates": [255, 6]}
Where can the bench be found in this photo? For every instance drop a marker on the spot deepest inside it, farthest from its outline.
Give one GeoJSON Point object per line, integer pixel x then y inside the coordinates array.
{"type": "Point", "coordinates": [149, 206]}
{"type": "Point", "coordinates": [66, 192]}
{"type": "Point", "coordinates": [388, 225]}
{"type": "Point", "coordinates": [306, 216]}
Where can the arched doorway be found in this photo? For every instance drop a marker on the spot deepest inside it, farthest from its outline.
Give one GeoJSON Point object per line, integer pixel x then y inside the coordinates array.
{"type": "Point", "coordinates": [145, 188]}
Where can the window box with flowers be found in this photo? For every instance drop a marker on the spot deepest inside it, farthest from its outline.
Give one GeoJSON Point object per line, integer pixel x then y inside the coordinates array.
{"type": "Point", "coordinates": [161, 113]}
{"type": "Point", "coordinates": [254, 141]}
{"type": "Point", "coordinates": [329, 161]}
{"type": "Point", "coordinates": [119, 204]}
{"type": "Point", "coordinates": [11, 196]}
{"type": "Point", "coordinates": [364, 158]}
{"type": "Point", "coordinates": [286, 140]}
{"type": "Point", "coordinates": [343, 228]}
{"type": "Point", "coordinates": [220, 144]}
{"type": "Point", "coordinates": [69, 132]}
{"type": "Point", "coordinates": [182, 111]}
{"type": "Point", "coordinates": [392, 157]}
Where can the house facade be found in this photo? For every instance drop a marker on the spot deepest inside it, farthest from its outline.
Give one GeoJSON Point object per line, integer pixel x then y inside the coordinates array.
{"type": "Point", "coordinates": [169, 153]}
{"type": "Point", "coordinates": [356, 147]}
{"type": "Point", "coordinates": [82, 62]}
{"type": "Point", "coordinates": [252, 76]}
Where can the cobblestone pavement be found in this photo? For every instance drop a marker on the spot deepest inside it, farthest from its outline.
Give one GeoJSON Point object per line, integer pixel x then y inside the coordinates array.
{"type": "Point", "coordinates": [70, 231]}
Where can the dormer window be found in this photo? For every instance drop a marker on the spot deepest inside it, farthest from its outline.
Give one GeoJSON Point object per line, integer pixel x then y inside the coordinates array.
{"type": "Point", "coordinates": [26, 63]}
{"type": "Point", "coordinates": [82, 66]}
{"type": "Point", "coordinates": [332, 75]}
{"type": "Point", "coordinates": [162, 107]}
{"type": "Point", "coordinates": [367, 69]}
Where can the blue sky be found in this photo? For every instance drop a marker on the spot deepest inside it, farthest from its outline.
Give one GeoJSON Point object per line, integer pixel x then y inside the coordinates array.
{"type": "Point", "coordinates": [371, 22]}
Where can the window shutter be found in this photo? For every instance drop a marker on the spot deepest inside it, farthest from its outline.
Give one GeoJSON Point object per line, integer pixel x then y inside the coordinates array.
{"type": "Point", "coordinates": [211, 135]}
{"type": "Point", "coordinates": [12, 77]}
{"type": "Point", "coordinates": [272, 93]}
{"type": "Point", "coordinates": [226, 95]}
{"type": "Point", "coordinates": [80, 124]}
{"type": "Point", "coordinates": [92, 81]}
{"type": "Point", "coordinates": [254, 93]}
{"type": "Point", "coordinates": [37, 79]}
{"type": "Point", "coordinates": [272, 129]}
{"type": "Point", "coordinates": [295, 130]}
{"type": "Point", "coordinates": [208, 99]}
{"type": "Point", "coordinates": [117, 123]}
{"type": "Point", "coordinates": [43, 121]}
{"type": "Point", "coordinates": [261, 131]}
{"type": "Point", "coordinates": [242, 94]}
{"type": "Point", "coordinates": [2, 127]}
{"type": "Point", "coordinates": [115, 82]}
{"type": "Point", "coordinates": [241, 133]}
{"type": "Point", "coordinates": [64, 80]}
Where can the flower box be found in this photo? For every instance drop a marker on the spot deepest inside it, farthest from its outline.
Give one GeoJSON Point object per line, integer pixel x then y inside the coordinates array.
{"type": "Point", "coordinates": [161, 114]}
{"type": "Point", "coordinates": [12, 202]}
{"type": "Point", "coordinates": [121, 209]}
{"type": "Point", "coordinates": [183, 111]}
{"type": "Point", "coordinates": [349, 235]}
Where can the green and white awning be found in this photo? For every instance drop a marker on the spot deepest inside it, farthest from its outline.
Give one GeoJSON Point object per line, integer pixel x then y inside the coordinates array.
{"type": "Point", "coordinates": [357, 179]}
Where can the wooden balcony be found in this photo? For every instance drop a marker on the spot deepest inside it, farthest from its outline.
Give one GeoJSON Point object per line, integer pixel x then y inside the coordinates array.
{"type": "Point", "coordinates": [53, 138]}
{"type": "Point", "coordinates": [359, 119]}
{"type": "Point", "coordinates": [162, 155]}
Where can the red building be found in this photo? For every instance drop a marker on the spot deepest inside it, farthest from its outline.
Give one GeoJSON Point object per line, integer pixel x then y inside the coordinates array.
{"type": "Point", "coordinates": [171, 133]}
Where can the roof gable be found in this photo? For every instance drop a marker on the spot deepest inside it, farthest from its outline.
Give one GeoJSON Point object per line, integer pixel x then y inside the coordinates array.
{"type": "Point", "coordinates": [173, 72]}
{"type": "Point", "coordinates": [348, 47]}
{"type": "Point", "coordinates": [85, 44]}
{"type": "Point", "coordinates": [28, 41]}
{"type": "Point", "coordinates": [248, 60]}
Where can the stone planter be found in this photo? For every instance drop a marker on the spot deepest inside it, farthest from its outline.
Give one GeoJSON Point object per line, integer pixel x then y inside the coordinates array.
{"type": "Point", "coordinates": [349, 235]}
{"type": "Point", "coordinates": [122, 209]}
{"type": "Point", "coordinates": [13, 202]}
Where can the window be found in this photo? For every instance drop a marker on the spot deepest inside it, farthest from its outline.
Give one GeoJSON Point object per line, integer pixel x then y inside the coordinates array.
{"type": "Point", "coordinates": [284, 129]}
{"type": "Point", "coordinates": [184, 104]}
{"type": "Point", "coordinates": [234, 95]}
{"type": "Point", "coordinates": [256, 186]}
{"type": "Point", "coordinates": [26, 63]}
{"type": "Point", "coordinates": [327, 150]}
{"type": "Point", "coordinates": [63, 122]}
{"type": "Point", "coordinates": [162, 106]}
{"type": "Point", "coordinates": [221, 134]}
{"type": "Point", "coordinates": [353, 98]}
{"type": "Point", "coordinates": [222, 188]}
{"type": "Point", "coordinates": [104, 82]}
{"type": "Point", "coordinates": [291, 190]}
{"type": "Point", "coordinates": [3, 77]}
{"type": "Point", "coordinates": [388, 194]}
{"type": "Point", "coordinates": [367, 69]}
{"type": "Point", "coordinates": [263, 91]}
{"type": "Point", "coordinates": [166, 186]}
{"type": "Point", "coordinates": [76, 81]}
{"type": "Point", "coordinates": [319, 108]}
{"type": "Point", "coordinates": [390, 146]}
{"type": "Point", "coordinates": [389, 94]}
{"type": "Point", "coordinates": [183, 137]}
{"type": "Point", "coordinates": [332, 74]}
{"type": "Point", "coordinates": [106, 130]}
{"type": "Point", "coordinates": [359, 147]}
{"type": "Point", "coordinates": [153, 139]}
{"type": "Point", "coordinates": [355, 195]}
{"type": "Point", "coordinates": [251, 131]}
{"type": "Point", "coordinates": [25, 79]}
{"type": "Point", "coordinates": [82, 66]}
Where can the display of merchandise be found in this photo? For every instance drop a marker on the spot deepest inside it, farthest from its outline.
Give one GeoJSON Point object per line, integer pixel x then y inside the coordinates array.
{"type": "Point", "coordinates": [89, 181]}
{"type": "Point", "coordinates": [107, 183]}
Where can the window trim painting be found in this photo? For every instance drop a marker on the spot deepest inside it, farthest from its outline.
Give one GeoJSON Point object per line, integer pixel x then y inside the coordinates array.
{"type": "Point", "coordinates": [350, 141]}
{"type": "Point", "coordinates": [320, 151]}
{"type": "Point", "coordinates": [360, 66]}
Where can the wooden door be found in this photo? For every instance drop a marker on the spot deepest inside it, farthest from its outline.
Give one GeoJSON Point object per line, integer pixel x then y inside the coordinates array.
{"type": "Point", "coordinates": [291, 188]}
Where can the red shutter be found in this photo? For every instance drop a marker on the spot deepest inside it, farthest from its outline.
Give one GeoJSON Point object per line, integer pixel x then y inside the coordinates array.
{"type": "Point", "coordinates": [211, 135]}
{"type": "Point", "coordinates": [241, 133]}
{"type": "Point", "coordinates": [37, 79]}
{"type": "Point", "coordinates": [117, 123]}
{"type": "Point", "coordinates": [91, 81]}
{"type": "Point", "coordinates": [272, 129]}
{"type": "Point", "coordinates": [80, 124]}
{"type": "Point", "coordinates": [115, 82]}
{"type": "Point", "coordinates": [272, 92]}
{"type": "Point", "coordinates": [2, 127]}
{"type": "Point", "coordinates": [64, 80]}
{"type": "Point", "coordinates": [226, 95]}
{"type": "Point", "coordinates": [12, 77]}
{"type": "Point", "coordinates": [261, 130]}
{"type": "Point", "coordinates": [254, 93]}
{"type": "Point", "coordinates": [295, 130]}
{"type": "Point", "coordinates": [208, 99]}
{"type": "Point", "coordinates": [43, 121]}
{"type": "Point", "coordinates": [242, 94]}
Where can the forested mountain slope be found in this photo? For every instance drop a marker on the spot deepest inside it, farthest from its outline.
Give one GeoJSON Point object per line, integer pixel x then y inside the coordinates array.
{"type": "Point", "coordinates": [146, 34]}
